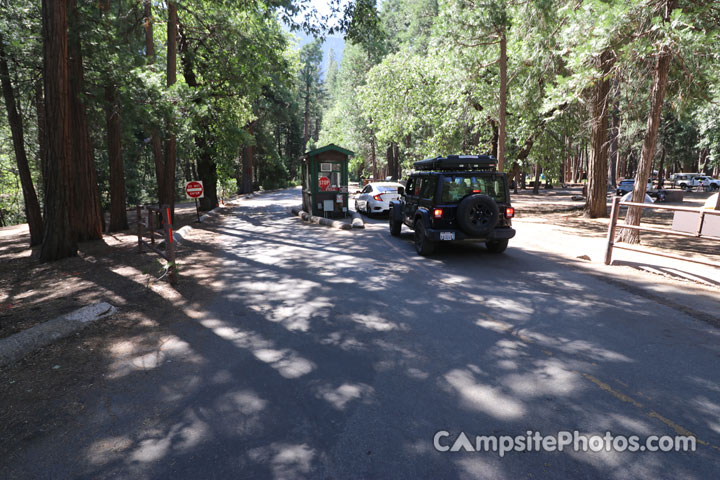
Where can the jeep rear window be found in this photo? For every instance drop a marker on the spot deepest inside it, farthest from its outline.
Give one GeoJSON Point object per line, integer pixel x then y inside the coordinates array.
{"type": "Point", "coordinates": [455, 187]}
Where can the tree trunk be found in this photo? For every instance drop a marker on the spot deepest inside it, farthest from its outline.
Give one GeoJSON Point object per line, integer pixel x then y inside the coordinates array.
{"type": "Point", "coordinates": [373, 157]}
{"type": "Point", "coordinates": [596, 200]}
{"type": "Point", "coordinates": [661, 168]}
{"type": "Point", "coordinates": [536, 183]}
{"type": "Point", "coordinates": [614, 154]}
{"type": "Point", "coordinates": [503, 102]}
{"type": "Point", "coordinates": [657, 97]}
{"type": "Point", "coordinates": [393, 161]}
{"type": "Point", "coordinates": [495, 138]}
{"type": "Point", "coordinates": [32, 207]}
{"type": "Point", "coordinates": [155, 137]}
{"type": "Point", "coordinates": [118, 210]}
{"type": "Point", "coordinates": [86, 214]}
{"type": "Point", "coordinates": [306, 117]}
{"type": "Point", "coordinates": [247, 165]}
{"type": "Point", "coordinates": [58, 239]}
{"type": "Point", "coordinates": [207, 172]}
{"type": "Point", "coordinates": [148, 26]}
{"type": "Point", "coordinates": [41, 131]}
{"type": "Point", "coordinates": [171, 140]}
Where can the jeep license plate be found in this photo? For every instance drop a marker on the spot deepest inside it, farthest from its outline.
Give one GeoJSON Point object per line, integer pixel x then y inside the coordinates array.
{"type": "Point", "coordinates": [447, 235]}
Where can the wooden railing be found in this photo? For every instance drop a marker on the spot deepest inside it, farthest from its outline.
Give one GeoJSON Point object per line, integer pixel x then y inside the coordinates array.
{"type": "Point", "coordinates": [154, 213]}
{"type": "Point", "coordinates": [613, 226]}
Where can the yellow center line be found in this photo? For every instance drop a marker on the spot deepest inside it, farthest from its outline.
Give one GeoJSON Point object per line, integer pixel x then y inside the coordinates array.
{"type": "Point", "coordinates": [679, 429]}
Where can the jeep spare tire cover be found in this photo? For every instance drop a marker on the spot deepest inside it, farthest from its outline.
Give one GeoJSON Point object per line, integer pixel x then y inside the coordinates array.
{"type": "Point", "coordinates": [477, 214]}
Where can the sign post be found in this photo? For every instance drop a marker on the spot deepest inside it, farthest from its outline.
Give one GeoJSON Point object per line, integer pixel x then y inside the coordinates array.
{"type": "Point", "coordinates": [194, 189]}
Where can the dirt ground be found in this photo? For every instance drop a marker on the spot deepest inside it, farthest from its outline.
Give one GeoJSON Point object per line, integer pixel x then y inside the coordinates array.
{"type": "Point", "coordinates": [557, 207]}
{"type": "Point", "coordinates": [32, 292]}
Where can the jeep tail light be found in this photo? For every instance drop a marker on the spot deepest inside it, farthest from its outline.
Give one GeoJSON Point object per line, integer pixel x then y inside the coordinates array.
{"type": "Point", "coordinates": [377, 198]}
{"type": "Point", "coordinates": [509, 212]}
{"type": "Point", "coordinates": [437, 213]}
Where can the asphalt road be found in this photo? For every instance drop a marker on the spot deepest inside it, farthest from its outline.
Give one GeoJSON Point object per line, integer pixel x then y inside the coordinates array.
{"type": "Point", "coordinates": [334, 354]}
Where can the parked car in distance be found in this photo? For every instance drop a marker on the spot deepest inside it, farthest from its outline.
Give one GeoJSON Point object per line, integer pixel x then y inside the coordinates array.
{"type": "Point", "coordinates": [376, 197]}
{"type": "Point", "coordinates": [626, 185]}
{"type": "Point", "coordinates": [687, 181]}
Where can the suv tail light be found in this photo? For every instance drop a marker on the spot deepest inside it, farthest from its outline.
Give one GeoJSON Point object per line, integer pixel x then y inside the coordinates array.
{"type": "Point", "coordinates": [509, 212]}
{"type": "Point", "coordinates": [437, 213]}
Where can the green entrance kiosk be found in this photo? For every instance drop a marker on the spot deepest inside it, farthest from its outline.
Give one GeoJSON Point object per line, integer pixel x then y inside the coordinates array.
{"type": "Point", "coordinates": [325, 181]}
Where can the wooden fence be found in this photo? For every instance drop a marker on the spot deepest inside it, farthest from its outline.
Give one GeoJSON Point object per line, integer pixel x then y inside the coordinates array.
{"type": "Point", "coordinates": [699, 232]}
{"type": "Point", "coordinates": [154, 213]}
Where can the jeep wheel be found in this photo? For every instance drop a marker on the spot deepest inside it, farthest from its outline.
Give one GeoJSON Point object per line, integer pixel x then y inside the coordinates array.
{"type": "Point", "coordinates": [395, 226]}
{"type": "Point", "coordinates": [423, 245]}
{"type": "Point", "coordinates": [477, 215]}
{"type": "Point", "coordinates": [497, 246]}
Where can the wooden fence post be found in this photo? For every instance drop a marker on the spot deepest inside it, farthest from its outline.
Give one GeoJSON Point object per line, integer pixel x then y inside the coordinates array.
{"type": "Point", "coordinates": [614, 212]}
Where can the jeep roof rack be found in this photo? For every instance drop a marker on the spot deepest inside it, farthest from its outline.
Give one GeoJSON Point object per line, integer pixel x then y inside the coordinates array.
{"type": "Point", "coordinates": [458, 163]}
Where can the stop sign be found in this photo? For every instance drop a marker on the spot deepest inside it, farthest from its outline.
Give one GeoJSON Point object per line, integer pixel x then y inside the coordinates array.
{"type": "Point", "coordinates": [324, 183]}
{"type": "Point", "coordinates": [194, 189]}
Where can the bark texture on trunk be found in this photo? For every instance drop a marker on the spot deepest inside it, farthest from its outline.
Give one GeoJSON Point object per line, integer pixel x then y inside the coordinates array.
{"type": "Point", "coordinates": [613, 154]}
{"type": "Point", "coordinates": [168, 173]}
{"type": "Point", "coordinates": [58, 239]}
{"type": "Point", "coordinates": [118, 211]}
{"type": "Point", "coordinates": [32, 206]}
{"type": "Point", "coordinates": [373, 157]}
{"type": "Point", "coordinates": [86, 214]}
{"type": "Point", "coordinates": [155, 135]}
{"type": "Point", "coordinates": [247, 166]}
{"type": "Point", "coordinates": [393, 161]}
{"type": "Point", "coordinates": [41, 130]}
{"type": "Point", "coordinates": [148, 26]}
{"type": "Point", "coordinates": [657, 98]}
{"type": "Point", "coordinates": [503, 102]}
{"type": "Point", "coordinates": [306, 117]}
{"type": "Point", "coordinates": [596, 200]}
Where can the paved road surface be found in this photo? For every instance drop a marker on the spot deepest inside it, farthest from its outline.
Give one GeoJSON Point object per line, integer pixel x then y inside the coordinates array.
{"type": "Point", "coordinates": [336, 355]}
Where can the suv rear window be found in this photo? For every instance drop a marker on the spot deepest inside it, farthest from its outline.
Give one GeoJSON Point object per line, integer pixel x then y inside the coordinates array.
{"type": "Point", "coordinates": [455, 187]}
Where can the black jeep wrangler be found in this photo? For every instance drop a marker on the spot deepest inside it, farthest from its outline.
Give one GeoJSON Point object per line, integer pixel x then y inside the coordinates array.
{"type": "Point", "coordinates": [458, 197]}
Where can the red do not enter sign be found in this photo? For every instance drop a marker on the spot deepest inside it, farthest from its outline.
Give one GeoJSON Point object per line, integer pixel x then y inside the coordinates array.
{"type": "Point", "coordinates": [323, 183]}
{"type": "Point", "coordinates": [194, 189]}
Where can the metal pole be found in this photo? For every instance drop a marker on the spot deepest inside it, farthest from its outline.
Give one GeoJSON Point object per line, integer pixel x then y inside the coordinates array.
{"type": "Point", "coordinates": [197, 209]}
{"type": "Point", "coordinates": [614, 212]}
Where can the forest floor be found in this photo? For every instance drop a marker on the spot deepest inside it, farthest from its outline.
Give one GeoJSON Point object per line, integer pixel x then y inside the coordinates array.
{"type": "Point", "coordinates": [556, 207]}
{"type": "Point", "coordinates": [32, 292]}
